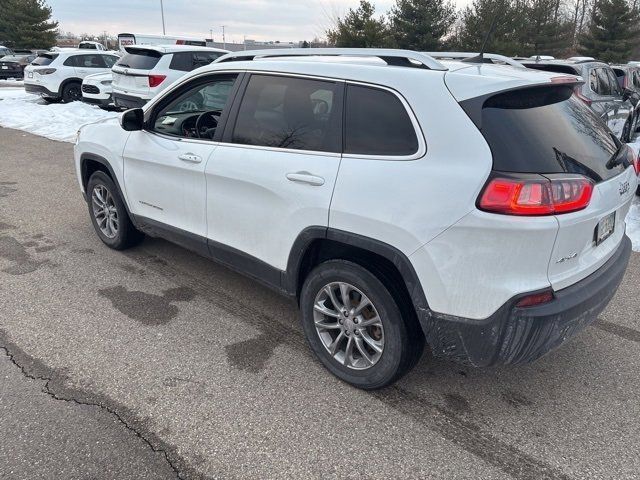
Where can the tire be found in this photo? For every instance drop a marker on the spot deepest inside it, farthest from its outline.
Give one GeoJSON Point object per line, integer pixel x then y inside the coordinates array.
{"type": "Point", "coordinates": [102, 196]}
{"type": "Point", "coordinates": [402, 345]}
{"type": "Point", "coordinates": [72, 92]}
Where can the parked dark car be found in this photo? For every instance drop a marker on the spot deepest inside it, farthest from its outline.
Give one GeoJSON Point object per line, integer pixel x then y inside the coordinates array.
{"type": "Point", "coordinates": [13, 66]}
{"type": "Point", "coordinates": [629, 80]}
{"type": "Point", "coordinates": [601, 91]}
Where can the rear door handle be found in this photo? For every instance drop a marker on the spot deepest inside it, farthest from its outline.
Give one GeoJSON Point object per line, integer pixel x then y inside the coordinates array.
{"type": "Point", "coordinates": [190, 157]}
{"type": "Point", "coordinates": [305, 177]}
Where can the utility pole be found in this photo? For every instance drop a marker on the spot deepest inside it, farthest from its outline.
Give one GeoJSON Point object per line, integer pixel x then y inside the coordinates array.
{"type": "Point", "coordinates": [164, 31]}
{"type": "Point", "coordinates": [224, 39]}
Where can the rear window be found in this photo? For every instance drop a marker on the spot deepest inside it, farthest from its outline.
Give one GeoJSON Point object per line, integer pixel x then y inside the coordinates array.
{"type": "Point", "coordinates": [140, 59]}
{"type": "Point", "coordinates": [547, 130]}
{"type": "Point", "coordinates": [43, 60]}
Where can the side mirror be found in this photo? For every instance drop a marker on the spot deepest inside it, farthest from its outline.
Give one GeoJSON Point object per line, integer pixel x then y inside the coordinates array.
{"type": "Point", "coordinates": [627, 94]}
{"type": "Point", "coordinates": [132, 120]}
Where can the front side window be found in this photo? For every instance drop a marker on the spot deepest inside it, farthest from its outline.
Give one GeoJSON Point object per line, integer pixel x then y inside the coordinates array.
{"type": "Point", "coordinates": [377, 123]}
{"type": "Point", "coordinates": [200, 59]}
{"type": "Point", "coordinates": [613, 82]}
{"type": "Point", "coordinates": [109, 60]}
{"type": "Point", "coordinates": [293, 113]}
{"type": "Point", "coordinates": [194, 112]}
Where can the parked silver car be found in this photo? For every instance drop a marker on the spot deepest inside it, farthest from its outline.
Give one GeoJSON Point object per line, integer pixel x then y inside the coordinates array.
{"type": "Point", "coordinates": [601, 91]}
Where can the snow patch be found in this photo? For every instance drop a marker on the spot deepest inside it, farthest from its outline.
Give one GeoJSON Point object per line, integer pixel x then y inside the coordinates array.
{"type": "Point", "coordinates": [57, 121]}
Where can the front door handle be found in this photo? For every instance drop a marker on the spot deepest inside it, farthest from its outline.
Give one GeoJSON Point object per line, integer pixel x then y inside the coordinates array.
{"type": "Point", "coordinates": [305, 177]}
{"type": "Point", "coordinates": [190, 157]}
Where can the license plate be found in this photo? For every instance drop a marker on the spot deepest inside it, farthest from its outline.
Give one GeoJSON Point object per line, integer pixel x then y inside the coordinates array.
{"type": "Point", "coordinates": [4, 67]}
{"type": "Point", "coordinates": [605, 228]}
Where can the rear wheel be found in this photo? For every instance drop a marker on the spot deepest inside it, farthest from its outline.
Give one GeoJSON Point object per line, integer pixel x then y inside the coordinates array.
{"type": "Point", "coordinates": [355, 327]}
{"type": "Point", "coordinates": [109, 215]}
{"type": "Point", "coordinates": [72, 92]}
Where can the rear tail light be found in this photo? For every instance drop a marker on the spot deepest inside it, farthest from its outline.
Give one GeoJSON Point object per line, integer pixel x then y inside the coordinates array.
{"type": "Point", "coordinates": [46, 71]}
{"type": "Point", "coordinates": [535, 299]}
{"type": "Point", "coordinates": [578, 93]}
{"type": "Point", "coordinates": [155, 80]}
{"type": "Point", "coordinates": [636, 163]}
{"type": "Point", "coordinates": [540, 196]}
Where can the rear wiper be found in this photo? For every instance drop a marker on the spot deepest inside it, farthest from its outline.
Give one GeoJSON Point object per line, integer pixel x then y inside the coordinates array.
{"type": "Point", "coordinates": [617, 157]}
{"type": "Point", "coordinates": [124, 65]}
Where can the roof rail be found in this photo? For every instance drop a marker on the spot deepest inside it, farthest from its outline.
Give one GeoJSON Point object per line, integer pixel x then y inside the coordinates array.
{"type": "Point", "coordinates": [398, 58]}
{"type": "Point", "coordinates": [468, 55]}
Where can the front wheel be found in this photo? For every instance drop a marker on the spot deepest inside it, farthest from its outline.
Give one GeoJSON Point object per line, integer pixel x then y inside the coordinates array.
{"type": "Point", "coordinates": [355, 327]}
{"type": "Point", "coordinates": [109, 215]}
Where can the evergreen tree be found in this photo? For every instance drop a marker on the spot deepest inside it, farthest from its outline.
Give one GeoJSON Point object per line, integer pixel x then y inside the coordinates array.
{"type": "Point", "coordinates": [544, 32]}
{"type": "Point", "coordinates": [421, 24]}
{"type": "Point", "coordinates": [27, 24]}
{"type": "Point", "coordinates": [476, 21]}
{"type": "Point", "coordinates": [613, 32]}
{"type": "Point", "coordinates": [360, 29]}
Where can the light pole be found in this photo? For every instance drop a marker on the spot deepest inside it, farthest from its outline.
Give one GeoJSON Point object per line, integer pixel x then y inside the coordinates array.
{"type": "Point", "coordinates": [164, 32]}
{"type": "Point", "coordinates": [224, 39]}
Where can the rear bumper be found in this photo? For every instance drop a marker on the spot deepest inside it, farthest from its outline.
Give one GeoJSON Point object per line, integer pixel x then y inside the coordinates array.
{"type": "Point", "coordinates": [39, 90]}
{"type": "Point", "coordinates": [128, 101]}
{"type": "Point", "coordinates": [520, 335]}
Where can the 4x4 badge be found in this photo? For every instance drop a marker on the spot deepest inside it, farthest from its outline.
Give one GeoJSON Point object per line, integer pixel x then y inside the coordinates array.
{"type": "Point", "coordinates": [624, 188]}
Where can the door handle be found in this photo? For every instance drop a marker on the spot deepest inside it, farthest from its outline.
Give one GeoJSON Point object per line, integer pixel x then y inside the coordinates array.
{"type": "Point", "coordinates": [190, 157]}
{"type": "Point", "coordinates": [305, 177]}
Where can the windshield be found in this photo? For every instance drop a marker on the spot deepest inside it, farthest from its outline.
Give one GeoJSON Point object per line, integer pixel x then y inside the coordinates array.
{"type": "Point", "coordinates": [140, 59]}
{"type": "Point", "coordinates": [548, 130]}
{"type": "Point", "coordinates": [44, 59]}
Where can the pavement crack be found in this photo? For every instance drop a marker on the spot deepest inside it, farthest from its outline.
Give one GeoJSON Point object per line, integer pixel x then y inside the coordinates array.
{"type": "Point", "coordinates": [33, 369]}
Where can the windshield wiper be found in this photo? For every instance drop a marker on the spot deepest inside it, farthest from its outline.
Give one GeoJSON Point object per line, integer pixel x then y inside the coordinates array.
{"type": "Point", "coordinates": [124, 65]}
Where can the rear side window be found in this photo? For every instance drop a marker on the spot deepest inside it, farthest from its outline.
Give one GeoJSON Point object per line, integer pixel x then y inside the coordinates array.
{"type": "Point", "coordinates": [181, 61]}
{"type": "Point", "coordinates": [44, 60]}
{"type": "Point", "coordinates": [294, 113]}
{"type": "Point", "coordinates": [547, 130]}
{"type": "Point", "coordinates": [139, 59]}
{"type": "Point", "coordinates": [377, 123]}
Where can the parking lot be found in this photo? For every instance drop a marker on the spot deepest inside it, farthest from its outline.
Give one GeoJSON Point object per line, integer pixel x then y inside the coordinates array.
{"type": "Point", "coordinates": [156, 363]}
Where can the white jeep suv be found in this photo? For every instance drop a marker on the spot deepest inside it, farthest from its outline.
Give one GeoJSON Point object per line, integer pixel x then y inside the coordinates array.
{"type": "Point", "coordinates": [145, 70]}
{"type": "Point", "coordinates": [477, 208]}
{"type": "Point", "coordinates": [58, 75]}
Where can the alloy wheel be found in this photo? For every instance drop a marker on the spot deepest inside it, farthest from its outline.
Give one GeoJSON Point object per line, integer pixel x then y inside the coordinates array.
{"type": "Point", "coordinates": [348, 325]}
{"type": "Point", "coordinates": [105, 211]}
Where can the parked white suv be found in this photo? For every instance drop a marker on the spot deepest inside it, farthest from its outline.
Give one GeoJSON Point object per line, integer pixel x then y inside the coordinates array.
{"type": "Point", "coordinates": [145, 70]}
{"type": "Point", "coordinates": [478, 207]}
{"type": "Point", "coordinates": [58, 75]}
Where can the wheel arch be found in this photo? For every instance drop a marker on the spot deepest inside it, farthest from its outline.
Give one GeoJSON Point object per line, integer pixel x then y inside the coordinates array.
{"type": "Point", "coordinates": [319, 244]}
{"type": "Point", "coordinates": [66, 82]}
{"type": "Point", "coordinates": [91, 163]}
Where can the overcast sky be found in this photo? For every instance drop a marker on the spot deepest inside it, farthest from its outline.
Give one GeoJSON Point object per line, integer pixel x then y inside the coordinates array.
{"type": "Point", "coordinates": [257, 19]}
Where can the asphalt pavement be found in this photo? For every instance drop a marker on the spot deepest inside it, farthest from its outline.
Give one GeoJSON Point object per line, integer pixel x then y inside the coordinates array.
{"type": "Point", "coordinates": [157, 363]}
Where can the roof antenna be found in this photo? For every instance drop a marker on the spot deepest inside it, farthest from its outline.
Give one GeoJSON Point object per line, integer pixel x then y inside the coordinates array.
{"type": "Point", "coordinates": [480, 57]}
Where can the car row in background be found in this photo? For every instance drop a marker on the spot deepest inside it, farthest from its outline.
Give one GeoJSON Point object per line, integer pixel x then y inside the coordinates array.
{"type": "Point", "coordinates": [145, 70]}
{"type": "Point", "coordinates": [616, 103]}
{"type": "Point", "coordinates": [58, 76]}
